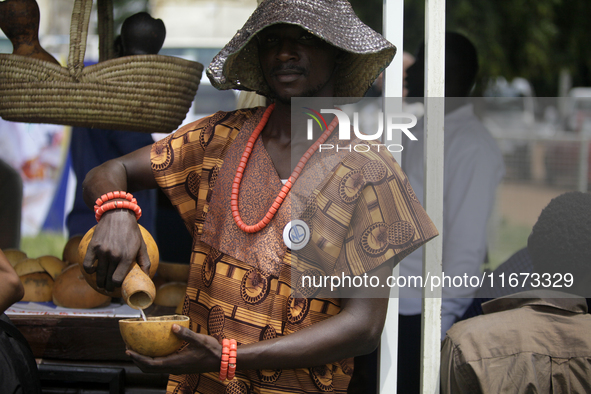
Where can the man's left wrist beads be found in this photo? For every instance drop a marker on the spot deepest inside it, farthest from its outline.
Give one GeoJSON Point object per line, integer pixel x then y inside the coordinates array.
{"type": "Point", "coordinates": [104, 204]}
{"type": "Point", "coordinates": [228, 364]}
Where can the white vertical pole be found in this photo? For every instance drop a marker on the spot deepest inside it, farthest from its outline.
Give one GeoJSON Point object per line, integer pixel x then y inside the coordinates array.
{"type": "Point", "coordinates": [393, 27]}
{"type": "Point", "coordinates": [433, 197]}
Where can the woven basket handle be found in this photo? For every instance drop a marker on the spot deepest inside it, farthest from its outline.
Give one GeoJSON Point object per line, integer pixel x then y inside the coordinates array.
{"type": "Point", "coordinates": [78, 36]}
{"type": "Point", "coordinates": [79, 33]}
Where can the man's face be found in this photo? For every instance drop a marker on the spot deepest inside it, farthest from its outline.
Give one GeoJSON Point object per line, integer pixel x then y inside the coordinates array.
{"type": "Point", "coordinates": [415, 77]}
{"type": "Point", "coordinates": [407, 61]}
{"type": "Point", "coordinates": [296, 63]}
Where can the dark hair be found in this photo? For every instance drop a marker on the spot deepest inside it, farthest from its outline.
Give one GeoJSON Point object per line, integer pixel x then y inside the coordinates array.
{"type": "Point", "coordinates": [461, 67]}
{"type": "Point", "coordinates": [461, 61]}
{"type": "Point", "coordinates": [561, 238]}
{"type": "Point", "coordinates": [142, 35]}
{"type": "Point", "coordinates": [118, 46]}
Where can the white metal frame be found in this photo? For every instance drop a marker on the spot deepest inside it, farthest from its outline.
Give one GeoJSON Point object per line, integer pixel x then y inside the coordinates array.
{"type": "Point", "coordinates": [433, 197]}
{"type": "Point", "coordinates": [393, 23]}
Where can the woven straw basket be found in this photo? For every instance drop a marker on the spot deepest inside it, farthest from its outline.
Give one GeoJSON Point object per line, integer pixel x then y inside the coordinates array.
{"type": "Point", "coordinates": [147, 93]}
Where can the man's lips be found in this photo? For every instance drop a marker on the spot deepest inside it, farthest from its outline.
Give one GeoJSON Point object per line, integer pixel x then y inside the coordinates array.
{"type": "Point", "coordinates": [286, 78]}
{"type": "Point", "coordinates": [288, 75]}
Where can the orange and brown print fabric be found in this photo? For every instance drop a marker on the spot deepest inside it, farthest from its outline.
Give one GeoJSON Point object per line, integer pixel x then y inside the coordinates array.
{"type": "Point", "coordinates": [359, 207]}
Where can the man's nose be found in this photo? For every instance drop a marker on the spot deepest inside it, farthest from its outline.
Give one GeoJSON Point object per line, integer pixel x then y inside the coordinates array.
{"type": "Point", "coordinates": [287, 50]}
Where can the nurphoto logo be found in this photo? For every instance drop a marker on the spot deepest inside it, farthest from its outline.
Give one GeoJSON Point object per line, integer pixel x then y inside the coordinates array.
{"type": "Point", "coordinates": [392, 123]}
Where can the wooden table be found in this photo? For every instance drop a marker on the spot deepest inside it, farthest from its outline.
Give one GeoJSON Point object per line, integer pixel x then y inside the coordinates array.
{"type": "Point", "coordinates": [73, 338]}
{"type": "Point", "coordinates": [86, 350]}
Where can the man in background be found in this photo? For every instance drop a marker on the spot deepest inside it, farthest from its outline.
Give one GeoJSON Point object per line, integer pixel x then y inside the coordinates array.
{"type": "Point", "coordinates": [18, 369]}
{"type": "Point", "coordinates": [537, 340]}
{"type": "Point", "coordinates": [473, 170]}
{"type": "Point", "coordinates": [11, 201]}
{"type": "Point", "coordinates": [140, 35]}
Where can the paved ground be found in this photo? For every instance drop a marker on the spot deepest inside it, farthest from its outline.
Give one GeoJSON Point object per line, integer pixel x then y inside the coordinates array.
{"type": "Point", "coordinates": [521, 204]}
{"type": "Point", "coordinates": [518, 208]}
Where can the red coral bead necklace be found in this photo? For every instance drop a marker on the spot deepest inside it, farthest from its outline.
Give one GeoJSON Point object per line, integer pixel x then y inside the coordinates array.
{"type": "Point", "coordinates": [285, 189]}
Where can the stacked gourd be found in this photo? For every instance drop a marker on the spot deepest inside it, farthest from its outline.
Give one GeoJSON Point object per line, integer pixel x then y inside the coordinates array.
{"type": "Point", "coordinates": [49, 278]}
{"type": "Point", "coordinates": [63, 281]}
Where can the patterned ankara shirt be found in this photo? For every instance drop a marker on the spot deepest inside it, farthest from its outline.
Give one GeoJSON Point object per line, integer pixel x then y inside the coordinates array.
{"type": "Point", "coordinates": [361, 212]}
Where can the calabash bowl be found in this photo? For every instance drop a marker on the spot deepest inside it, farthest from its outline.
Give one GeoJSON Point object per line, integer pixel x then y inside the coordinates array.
{"type": "Point", "coordinates": [152, 337]}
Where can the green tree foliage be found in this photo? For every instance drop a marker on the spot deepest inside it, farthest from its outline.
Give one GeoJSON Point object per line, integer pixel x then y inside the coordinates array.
{"type": "Point", "coordinates": [370, 12]}
{"type": "Point", "coordinates": [533, 39]}
{"type": "Point", "coordinates": [572, 49]}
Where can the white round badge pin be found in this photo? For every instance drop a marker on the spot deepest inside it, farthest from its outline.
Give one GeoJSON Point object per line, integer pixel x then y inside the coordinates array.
{"type": "Point", "coordinates": [296, 234]}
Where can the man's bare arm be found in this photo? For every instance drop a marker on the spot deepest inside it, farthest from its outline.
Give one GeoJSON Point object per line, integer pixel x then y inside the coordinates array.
{"type": "Point", "coordinates": [130, 173]}
{"type": "Point", "coordinates": [117, 240]}
{"type": "Point", "coordinates": [356, 330]}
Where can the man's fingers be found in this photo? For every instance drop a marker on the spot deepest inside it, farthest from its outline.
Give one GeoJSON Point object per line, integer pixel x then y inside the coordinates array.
{"type": "Point", "coordinates": [183, 333]}
{"type": "Point", "coordinates": [121, 272]}
{"type": "Point", "coordinates": [101, 271]}
{"type": "Point", "coordinates": [89, 259]}
{"type": "Point", "coordinates": [149, 364]}
{"type": "Point", "coordinates": [110, 284]}
{"type": "Point", "coordinates": [143, 362]}
{"type": "Point", "coordinates": [143, 259]}
{"type": "Point", "coordinates": [140, 358]}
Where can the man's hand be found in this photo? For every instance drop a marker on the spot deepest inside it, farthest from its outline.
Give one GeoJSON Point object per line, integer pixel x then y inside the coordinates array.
{"type": "Point", "coordinates": [11, 287]}
{"type": "Point", "coordinates": [116, 243]}
{"type": "Point", "coordinates": [202, 354]}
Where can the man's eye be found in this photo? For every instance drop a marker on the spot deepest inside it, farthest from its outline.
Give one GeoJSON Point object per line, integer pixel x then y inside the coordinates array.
{"type": "Point", "coordinates": [308, 39]}
{"type": "Point", "coordinates": [268, 41]}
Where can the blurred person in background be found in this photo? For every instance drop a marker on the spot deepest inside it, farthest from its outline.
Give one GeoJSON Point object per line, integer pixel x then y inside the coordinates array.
{"type": "Point", "coordinates": [140, 35]}
{"type": "Point", "coordinates": [11, 201]}
{"type": "Point", "coordinates": [473, 170]}
{"type": "Point", "coordinates": [18, 369]}
{"type": "Point", "coordinates": [407, 61]}
{"type": "Point", "coordinates": [536, 340]}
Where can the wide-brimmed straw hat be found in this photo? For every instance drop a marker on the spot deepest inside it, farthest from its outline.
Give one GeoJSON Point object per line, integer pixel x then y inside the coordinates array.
{"type": "Point", "coordinates": [367, 53]}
